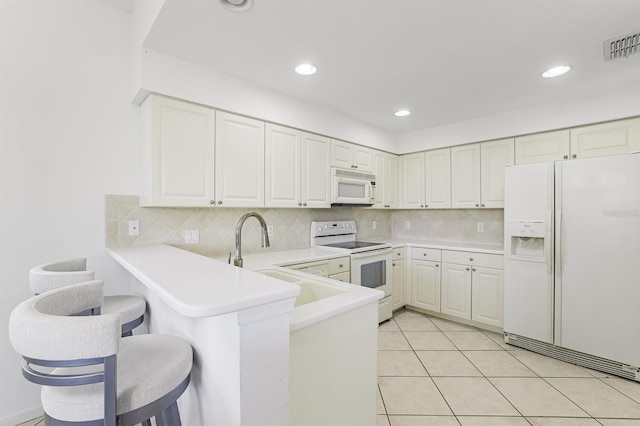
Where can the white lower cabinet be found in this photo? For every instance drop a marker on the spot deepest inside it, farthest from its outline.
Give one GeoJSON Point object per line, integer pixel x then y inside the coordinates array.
{"type": "Point", "coordinates": [425, 279]}
{"type": "Point", "coordinates": [398, 292]}
{"type": "Point", "coordinates": [473, 286]}
{"type": "Point", "coordinates": [458, 284]}
{"type": "Point", "coordinates": [455, 296]}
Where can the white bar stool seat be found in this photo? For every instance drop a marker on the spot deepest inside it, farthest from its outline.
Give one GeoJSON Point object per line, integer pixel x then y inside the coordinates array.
{"type": "Point", "coordinates": [50, 276]}
{"type": "Point", "coordinates": [143, 375]}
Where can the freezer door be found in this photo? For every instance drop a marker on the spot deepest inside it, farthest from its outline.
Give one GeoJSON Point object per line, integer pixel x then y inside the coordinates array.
{"type": "Point", "coordinates": [597, 283]}
{"type": "Point", "coordinates": [528, 268]}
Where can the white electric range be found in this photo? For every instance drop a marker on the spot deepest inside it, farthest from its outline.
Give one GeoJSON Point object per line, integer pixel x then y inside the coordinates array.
{"type": "Point", "coordinates": [370, 261]}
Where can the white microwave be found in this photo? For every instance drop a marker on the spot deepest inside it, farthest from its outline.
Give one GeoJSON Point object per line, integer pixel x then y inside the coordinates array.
{"type": "Point", "coordinates": [352, 188]}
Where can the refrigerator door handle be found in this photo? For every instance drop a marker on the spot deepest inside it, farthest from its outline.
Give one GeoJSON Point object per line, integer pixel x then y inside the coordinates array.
{"type": "Point", "coordinates": [558, 242]}
{"type": "Point", "coordinates": [547, 243]}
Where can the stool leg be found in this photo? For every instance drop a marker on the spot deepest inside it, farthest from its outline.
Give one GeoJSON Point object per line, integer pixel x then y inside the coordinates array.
{"type": "Point", "coordinates": [170, 416]}
{"type": "Point", "coordinates": [146, 422]}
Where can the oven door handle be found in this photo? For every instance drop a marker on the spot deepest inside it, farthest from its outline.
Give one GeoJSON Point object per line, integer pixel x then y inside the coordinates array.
{"type": "Point", "coordinates": [369, 253]}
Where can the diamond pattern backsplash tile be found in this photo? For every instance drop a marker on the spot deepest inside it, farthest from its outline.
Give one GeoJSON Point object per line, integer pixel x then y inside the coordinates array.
{"type": "Point", "coordinates": [291, 226]}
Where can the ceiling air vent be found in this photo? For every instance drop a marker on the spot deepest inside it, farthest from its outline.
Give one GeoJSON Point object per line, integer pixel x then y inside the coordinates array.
{"type": "Point", "coordinates": [621, 47]}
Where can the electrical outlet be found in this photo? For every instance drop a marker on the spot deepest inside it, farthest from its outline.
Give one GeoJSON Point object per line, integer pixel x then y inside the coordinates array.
{"type": "Point", "coordinates": [270, 230]}
{"type": "Point", "coordinates": [374, 224]}
{"type": "Point", "coordinates": [134, 228]}
{"type": "Point", "coordinates": [407, 225]}
{"type": "Point", "coordinates": [192, 237]}
{"type": "Point", "coordinates": [480, 227]}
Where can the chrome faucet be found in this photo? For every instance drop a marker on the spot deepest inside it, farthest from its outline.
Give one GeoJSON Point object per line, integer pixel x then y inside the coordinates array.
{"type": "Point", "coordinates": [265, 235]}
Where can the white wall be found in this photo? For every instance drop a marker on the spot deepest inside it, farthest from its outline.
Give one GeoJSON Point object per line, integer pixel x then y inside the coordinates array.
{"type": "Point", "coordinates": [169, 76]}
{"type": "Point", "coordinates": [68, 135]}
{"type": "Point", "coordinates": [590, 108]}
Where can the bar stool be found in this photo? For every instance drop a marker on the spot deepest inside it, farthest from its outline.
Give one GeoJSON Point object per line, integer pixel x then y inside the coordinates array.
{"type": "Point", "coordinates": [143, 375]}
{"type": "Point", "coordinates": [49, 276]}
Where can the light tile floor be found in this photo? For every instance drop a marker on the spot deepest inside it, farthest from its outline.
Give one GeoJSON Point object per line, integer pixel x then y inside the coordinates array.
{"type": "Point", "coordinates": [437, 372]}
{"type": "Point", "coordinates": [433, 372]}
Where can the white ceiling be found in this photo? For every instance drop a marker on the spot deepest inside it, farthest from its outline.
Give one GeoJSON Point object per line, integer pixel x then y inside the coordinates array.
{"type": "Point", "coordinates": [445, 60]}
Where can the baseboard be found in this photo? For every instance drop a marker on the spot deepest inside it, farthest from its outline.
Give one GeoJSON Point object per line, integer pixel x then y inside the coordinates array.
{"type": "Point", "coordinates": [21, 417]}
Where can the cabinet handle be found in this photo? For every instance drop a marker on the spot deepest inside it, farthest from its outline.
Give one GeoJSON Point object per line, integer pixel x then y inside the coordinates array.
{"type": "Point", "coordinates": [424, 254]}
{"type": "Point", "coordinates": [437, 265]}
{"type": "Point", "coordinates": [393, 264]}
{"type": "Point", "coordinates": [477, 205]}
{"type": "Point", "coordinates": [467, 269]}
{"type": "Point", "coordinates": [573, 156]}
{"type": "Point", "coordinates": [219, 202]}
{"type": "Point", "coordinates": [212, 202]}
{"type": "Point", "coordinates": [471, 259]}
{"type": "Point", "coordinates": [481, 205]}
{"type": "Point", "coordinates": [426, 205]}
{"type": "Point", "coordinates": [300, 204]}
{"type": "Point", "coordinates": [355, 166]}
{"type": "Point", "coordinates": [473, 269]}
{"type": "Point", "coordinates": [565, 157]}
{"type": "Point", "coordinates": [341, 266]}
{"type": "Point", "coordinates": [304, 204]}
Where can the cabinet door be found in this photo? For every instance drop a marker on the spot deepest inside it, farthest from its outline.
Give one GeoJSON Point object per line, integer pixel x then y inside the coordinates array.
{"type": "Point", "coordinates": [488, 296]}
{"type": "Point", "coordinates": [362, 158]}
{"type": "Point", "coordinates": [341, 154]}
{"type": "Point", "coordinates": [465, 176]}
{"type": "Point", "coordinates": [177, 153]}
{"type": "Point", "coordinates": [380, 170]}
{"type": "Point", "coordinates": [542, 147]}
{"type": "Point", "coordinates": [282, 166]}
{"type": "Point", "coordinates": [438, 178]}
{"type": "Point", "coordinates": [397, 293]}
{"type": "Point", "coordinates": [425, 285]}
{"type": "Point", "coordinates": [494, 157]}
{"type": "Point", "coordinates": [239, 161]}
{"type": "Point", "coordinates": [316, 171]}
{"type": "Point", "coordinates": [413, 181]}
{"type": "Point", "coordinates": [456, 290]}
{"type": "Point", "coordinates": [392, 193]}
{"type": "Point", "coordinates": [617, 137]}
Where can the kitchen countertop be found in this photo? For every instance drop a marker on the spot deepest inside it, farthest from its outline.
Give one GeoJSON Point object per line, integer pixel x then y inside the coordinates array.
{"type": "Point", "coordinates": [447, 245]}
{"type": "Point", "coordinates": [197, 286]}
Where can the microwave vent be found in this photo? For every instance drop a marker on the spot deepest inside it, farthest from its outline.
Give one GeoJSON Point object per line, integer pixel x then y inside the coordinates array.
{"type": "Point", "coordinates": [621, 47]}
{"type": "Point", "coordinates": [353, 174]}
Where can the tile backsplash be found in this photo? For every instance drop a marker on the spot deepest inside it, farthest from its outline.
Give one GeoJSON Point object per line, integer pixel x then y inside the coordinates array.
{"type": "Point", "coordinates": [216, 226]}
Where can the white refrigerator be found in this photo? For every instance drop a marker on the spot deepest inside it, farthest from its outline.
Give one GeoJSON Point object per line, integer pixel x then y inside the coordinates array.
{"type": "Point", "coordinates": [572, 261]}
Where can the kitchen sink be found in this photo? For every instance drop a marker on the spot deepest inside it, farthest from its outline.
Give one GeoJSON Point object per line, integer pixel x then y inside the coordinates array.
{"type": "Point", "coordinates": [310, 290]}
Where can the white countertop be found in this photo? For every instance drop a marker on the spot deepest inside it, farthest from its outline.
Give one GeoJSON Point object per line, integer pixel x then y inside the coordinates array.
{"type": "Point", "coordinates": [447, 245]}
{"type": "Point", "coordinates": [198, 286]}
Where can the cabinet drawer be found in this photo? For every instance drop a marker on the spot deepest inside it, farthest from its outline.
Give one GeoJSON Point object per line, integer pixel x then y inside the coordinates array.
{"type": "Point", "coordinates": [343, 276]}
{"type": "Point", "coordinates": [471, 258]}
{"type": "Point", "coordinates": [339, 265]}
{"type": "Point", "coordinates": [398, 253]}
{"type": "Point", "coordinates": [420, 253]}
{"type": "Point", "coordinates": [320, 268]}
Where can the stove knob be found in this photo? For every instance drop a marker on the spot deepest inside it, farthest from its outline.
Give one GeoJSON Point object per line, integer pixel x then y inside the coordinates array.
{"type": "Point", "coordinates": [320, 229]}
{"type": "Point", "coordinates": [326, 227]}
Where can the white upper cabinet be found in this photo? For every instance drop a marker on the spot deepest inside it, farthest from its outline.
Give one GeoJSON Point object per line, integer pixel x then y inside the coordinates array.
{"type": "Point", "coordinates": [413, 181]}
{"type": "Point", "coordinates": [385, 168]}
{"type": "Point", "coordinates": [477, 173]}
{"type": "Point", "coordinates": [426, 179]}
{"type": "Point", "coordinates": [239, 161]}
{"type": "Point", "coordinates": [494, 157]}
{"type": "Point", "coordinates": [437, 178]}
{"type": "Point", "coordinates": [297, 170]}
{"type": "Point", "coordinates": [616, 137]}
{"type": "Point", "coordinates": [316, 171]}
{"type": "Point", "coordinates": [283, 155]}
{"type": "Point", "coordinates": [543, 147]}
{"type": "Point", "coordinates": [596, 140]}
{"type": "Point", "coordinates": [347, 155]}
{"type": "Point", "coordinates": [465, 176]}
{"type": "Point", "coordinates": [177, 153]}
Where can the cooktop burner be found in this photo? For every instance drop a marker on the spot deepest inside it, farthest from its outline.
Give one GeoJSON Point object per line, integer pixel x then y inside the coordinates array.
{"type": "Point", "coordinates": [353, 245]}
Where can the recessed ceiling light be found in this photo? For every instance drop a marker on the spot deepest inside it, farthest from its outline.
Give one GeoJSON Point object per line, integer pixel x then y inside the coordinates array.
{"type": "Point", "coordinates": [402, 113]}
{"type": "Point", "coordinates": [237, 5]}
{"type": "Point", "coordinates": [556, 71]}
{"type": "Point", "coordinates": [306, 69]}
